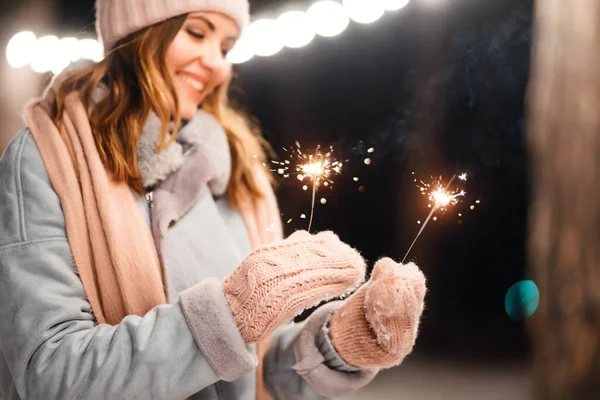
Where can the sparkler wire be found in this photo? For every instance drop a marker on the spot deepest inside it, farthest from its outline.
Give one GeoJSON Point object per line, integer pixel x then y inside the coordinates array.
{"type": "Point", "coordinates": [312, 208]}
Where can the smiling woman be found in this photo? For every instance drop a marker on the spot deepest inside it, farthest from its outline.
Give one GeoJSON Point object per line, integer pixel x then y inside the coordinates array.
{"type": "Point", "coordinates": [179, 66]}
{"type": "Point", "coordinates": [147, 258]}
{"type": "Point", "coordinates": [197, 59]}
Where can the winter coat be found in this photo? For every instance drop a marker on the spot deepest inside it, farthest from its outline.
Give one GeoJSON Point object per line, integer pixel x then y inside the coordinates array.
{"type": "Point", "coordinates": [52, 347]}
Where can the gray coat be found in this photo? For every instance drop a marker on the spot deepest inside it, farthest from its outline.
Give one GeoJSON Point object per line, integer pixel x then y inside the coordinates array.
{"type": "Point", "coordinates": [52, 347]}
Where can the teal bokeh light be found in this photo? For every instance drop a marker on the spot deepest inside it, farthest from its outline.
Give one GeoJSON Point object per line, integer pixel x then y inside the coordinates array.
{"type": "Point", "coordinates": [522, 299]}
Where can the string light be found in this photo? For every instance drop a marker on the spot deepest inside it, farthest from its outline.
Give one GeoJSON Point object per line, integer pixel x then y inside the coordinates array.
{"type": "Point", "coordinates": [263, 37]}
{"type": "Point", "coordinates": [50, 53]}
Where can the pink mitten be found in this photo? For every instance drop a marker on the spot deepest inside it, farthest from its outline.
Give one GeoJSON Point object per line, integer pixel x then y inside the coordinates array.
{"type": "Point", "coordinates": [377, 326]}
{"type": "Point", "coordinates": [277, 282]}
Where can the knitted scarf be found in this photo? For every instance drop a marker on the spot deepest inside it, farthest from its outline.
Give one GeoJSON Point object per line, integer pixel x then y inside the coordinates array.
{"type": "Point", "coordinates": [120, 276]}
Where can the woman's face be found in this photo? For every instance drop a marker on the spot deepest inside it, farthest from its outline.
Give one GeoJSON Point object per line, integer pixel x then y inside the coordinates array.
{"type": "Point", "coordinates": [197, 58]}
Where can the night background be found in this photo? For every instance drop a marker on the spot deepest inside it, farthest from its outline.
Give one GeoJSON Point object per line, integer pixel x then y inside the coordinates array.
{"type": "Point", "coordinates": [436, 88]}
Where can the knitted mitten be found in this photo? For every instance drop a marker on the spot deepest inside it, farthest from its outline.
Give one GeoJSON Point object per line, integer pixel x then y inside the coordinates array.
{"type": "Point", "coordinates": [277, 282]}
{"type": "Point", "coordinates": [377, 326]}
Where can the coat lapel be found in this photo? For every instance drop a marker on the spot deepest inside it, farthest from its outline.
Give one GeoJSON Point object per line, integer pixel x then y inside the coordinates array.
{"type": "Point", "coordinates": [204, 151]}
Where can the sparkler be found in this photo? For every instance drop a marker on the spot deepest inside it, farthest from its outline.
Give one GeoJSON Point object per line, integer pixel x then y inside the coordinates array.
{"type": "Point", "coordinates": [441, 198]}
{"type": "Point", "coordinates": [317, 167]}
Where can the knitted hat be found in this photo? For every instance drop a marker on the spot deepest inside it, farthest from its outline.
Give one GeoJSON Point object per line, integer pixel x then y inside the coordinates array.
{"type": "Point", "coordinates": [116, 19]}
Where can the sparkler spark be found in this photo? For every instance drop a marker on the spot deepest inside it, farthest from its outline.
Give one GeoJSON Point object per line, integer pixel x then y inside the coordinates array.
{"type": "Point", "coordinates": [440, 199]}
{"type": "Point", "coordinates": [444, 199]}
{"type": "Point", "coordinates": [317, 167]}
{"type": "Point", "coordinates": [312, 169]}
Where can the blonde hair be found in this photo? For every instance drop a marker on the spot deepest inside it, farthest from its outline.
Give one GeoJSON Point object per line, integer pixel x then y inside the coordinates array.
{"type": "Point", "coordinates": [137, 78]}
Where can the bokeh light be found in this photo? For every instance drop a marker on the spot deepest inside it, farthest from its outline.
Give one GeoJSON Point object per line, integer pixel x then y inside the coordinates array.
{"type": "Point", "coordinates": [49, 53]}
{"type": "Point", "coordinates": [44, 56]}
{"type": "Point", "coordinates": [66, 53]}
{"type": "Point", "coordinates": [295, 29]}
{"type": "Point", "coordinates": [241, 52]}
{"type": "Point", "coordinates": [522, 300]}
{"type": "Point", "coordinates": [328, 18]}
{"type": "Point", "coordinates": [68, 49]}
{"type": "Point", "coordinates": [90, 49]}
{"type": "Point", "coordinates": [263, 37]}
{"type": "Point", "coordinates": [20, 49]}
{"type": "Point", "coordinates": [364, 11]}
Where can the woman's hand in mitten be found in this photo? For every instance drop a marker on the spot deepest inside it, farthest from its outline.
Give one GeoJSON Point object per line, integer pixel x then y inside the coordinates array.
{"type": "Point", "coordinates": [377, 326]}
{"type": "Point", "coordinates": [277, 282]}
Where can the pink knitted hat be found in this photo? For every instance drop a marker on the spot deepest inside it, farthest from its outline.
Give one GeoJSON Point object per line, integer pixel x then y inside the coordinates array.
{"type": "Point", "coordinates": [116, 19]}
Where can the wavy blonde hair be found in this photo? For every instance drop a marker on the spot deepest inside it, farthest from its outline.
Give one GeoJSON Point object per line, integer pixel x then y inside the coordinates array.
{"type": "Point", "coordinates": [138, 81]}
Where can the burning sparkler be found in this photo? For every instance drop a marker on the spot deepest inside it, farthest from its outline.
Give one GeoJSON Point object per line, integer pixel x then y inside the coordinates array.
{"type": "Point", "coordinates": [317, 167]}
{"type": "Point", "coordinates": [440, 197]}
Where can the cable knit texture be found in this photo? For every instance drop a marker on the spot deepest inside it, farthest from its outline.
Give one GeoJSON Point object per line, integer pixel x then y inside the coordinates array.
{"type": "Point", "coordinates": [377, 326]}
{"type": "Point", "coordinates": [276, 282]}
{"type": "Point", "coordinates": [116, 19]}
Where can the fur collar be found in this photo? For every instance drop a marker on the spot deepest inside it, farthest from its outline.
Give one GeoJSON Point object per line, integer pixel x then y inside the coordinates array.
{"type": "Point", "coordinates": [202, 134]}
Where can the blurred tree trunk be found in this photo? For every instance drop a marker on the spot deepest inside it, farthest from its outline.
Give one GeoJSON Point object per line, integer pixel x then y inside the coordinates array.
{"type": "Point", "coordinates": [564, 139]}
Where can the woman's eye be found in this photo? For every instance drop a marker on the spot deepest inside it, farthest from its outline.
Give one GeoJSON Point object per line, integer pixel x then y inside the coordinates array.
{"type": "Point", "coordinates": [195, 34]}
{"type": "Point", "coordinates": [224, 52]}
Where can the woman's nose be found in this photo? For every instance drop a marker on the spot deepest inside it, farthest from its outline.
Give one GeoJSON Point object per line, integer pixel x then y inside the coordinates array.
{"type": "Point", "coordinates": [211, 56]}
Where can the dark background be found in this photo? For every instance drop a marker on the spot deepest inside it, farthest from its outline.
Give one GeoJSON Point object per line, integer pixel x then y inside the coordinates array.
{"type": "Point", "coordinates": [436, 88]}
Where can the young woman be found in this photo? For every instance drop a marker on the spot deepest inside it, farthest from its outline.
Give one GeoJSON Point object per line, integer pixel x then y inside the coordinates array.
{"type": "Point", "coordinates": [129, 210]}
